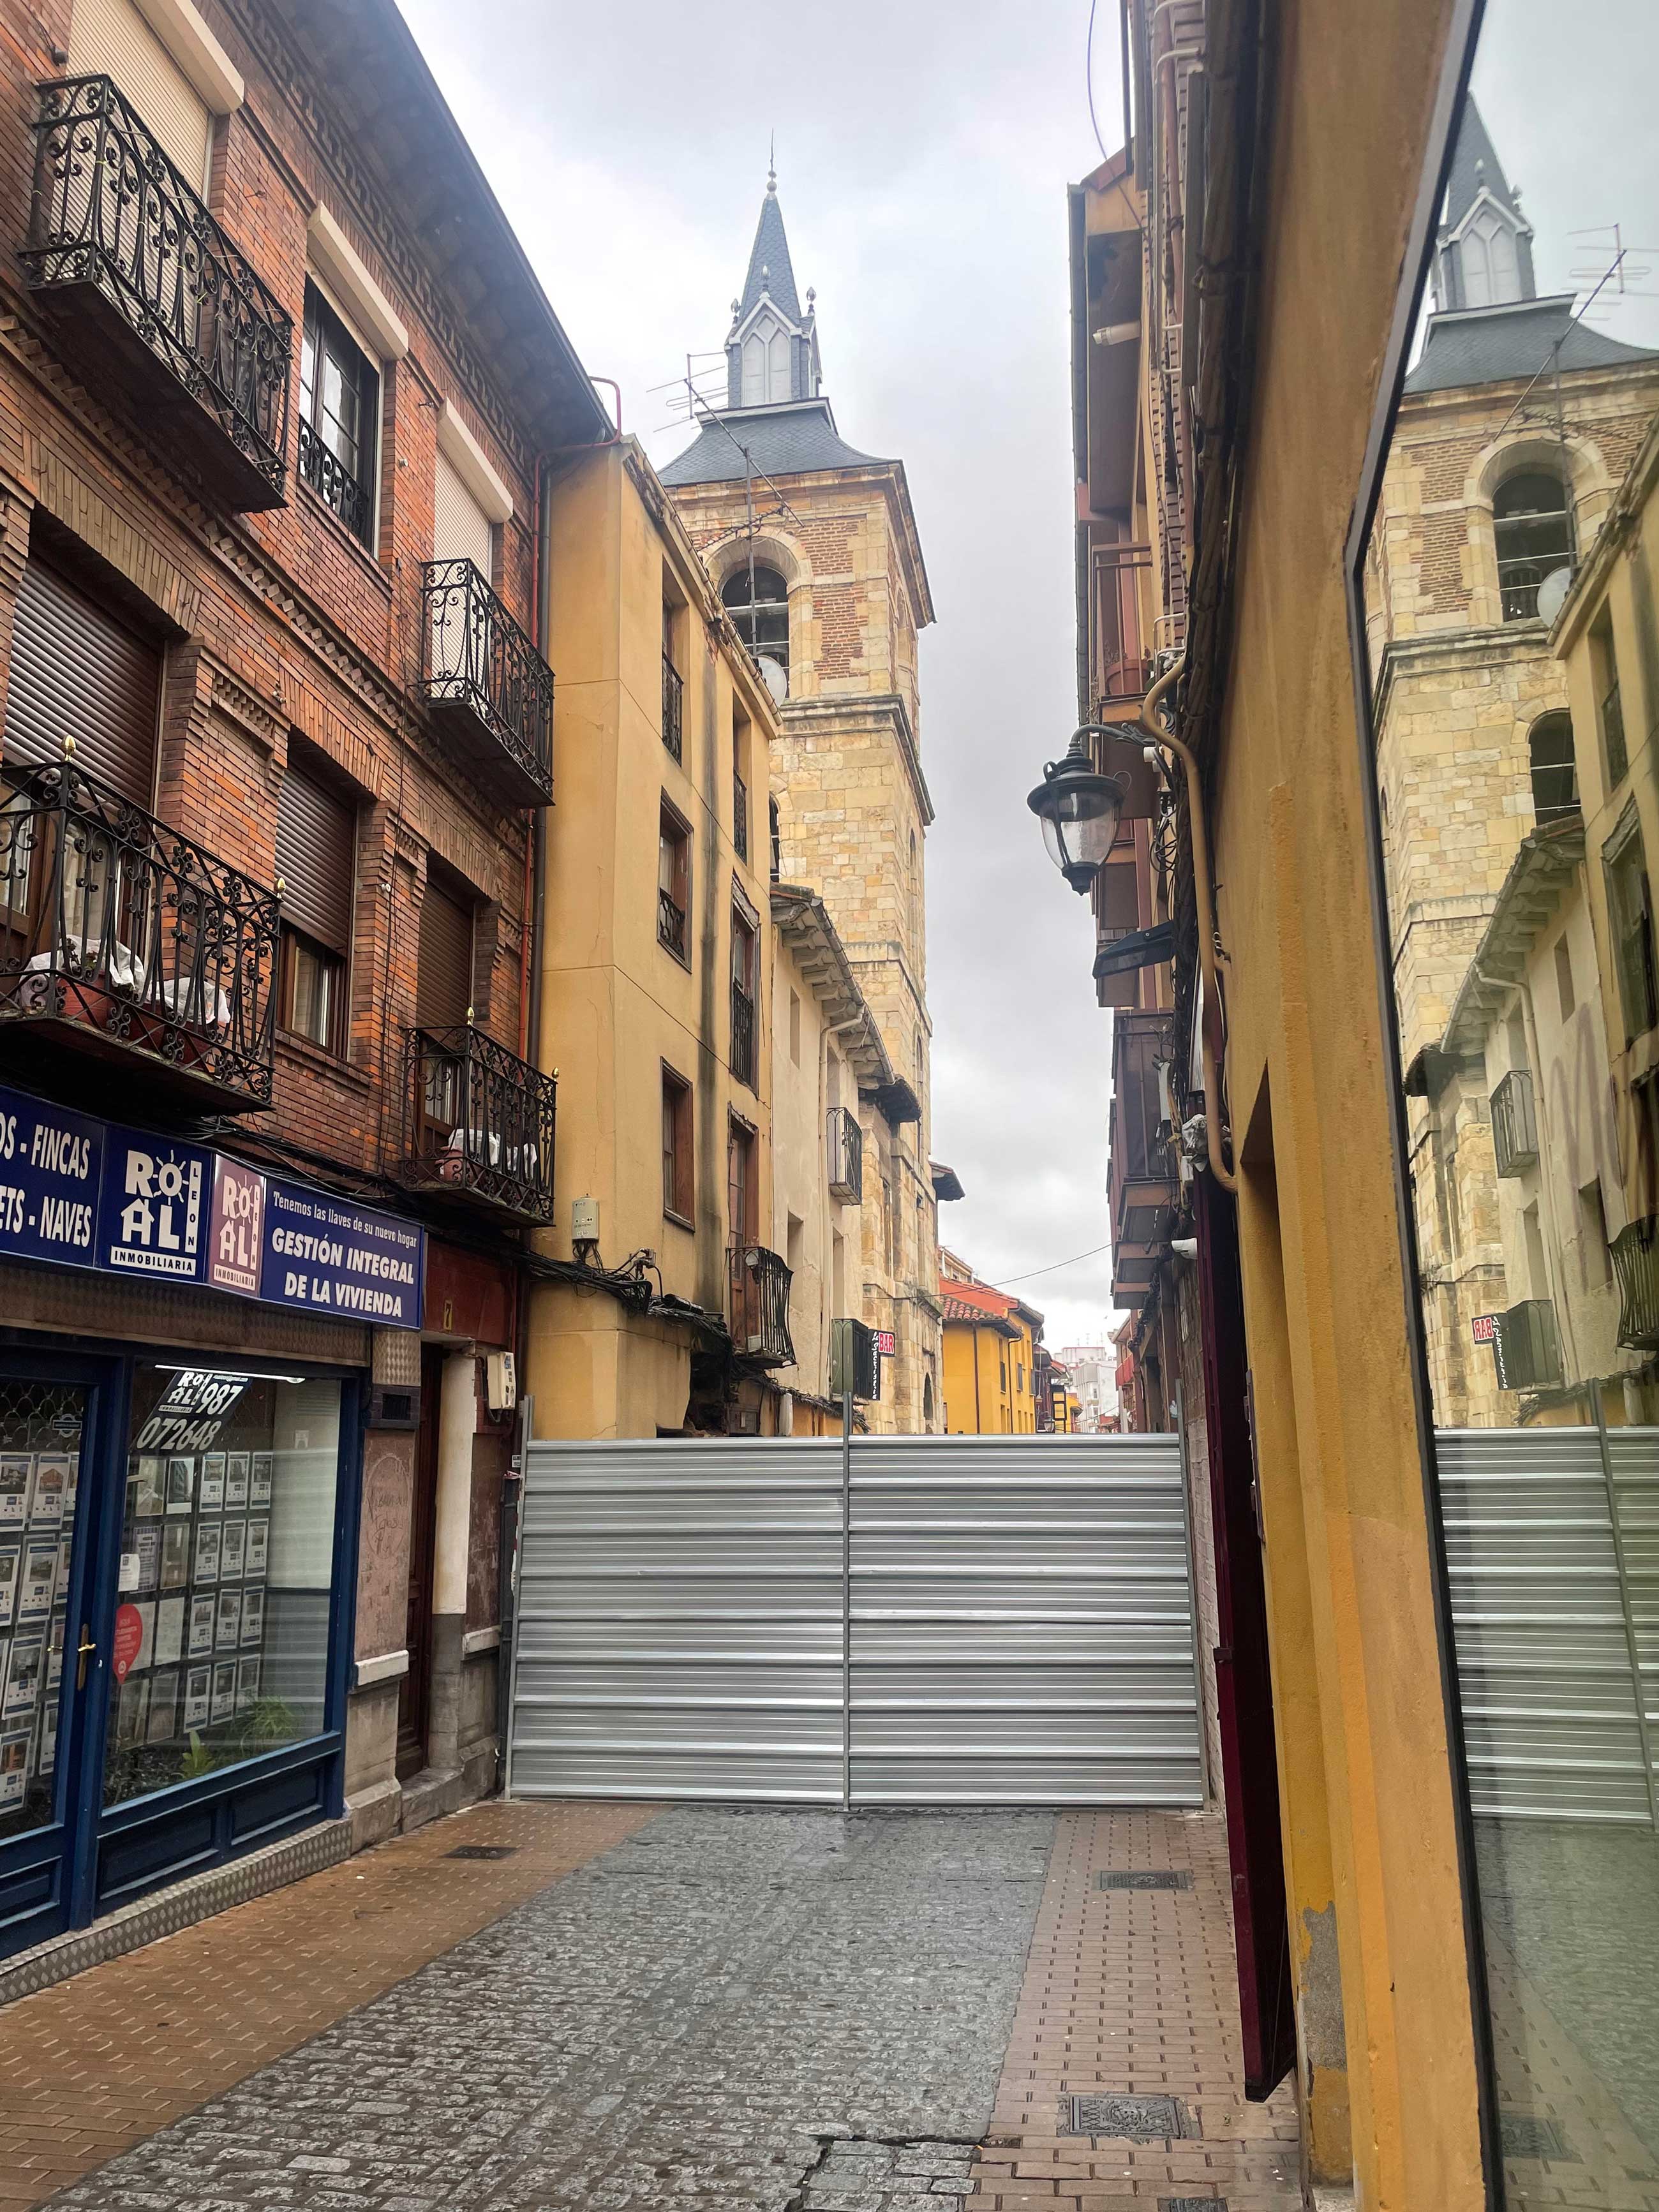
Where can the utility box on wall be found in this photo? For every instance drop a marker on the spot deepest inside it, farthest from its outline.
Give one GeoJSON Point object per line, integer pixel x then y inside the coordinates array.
{"type": "Point", "coordinates": [501, 1382]}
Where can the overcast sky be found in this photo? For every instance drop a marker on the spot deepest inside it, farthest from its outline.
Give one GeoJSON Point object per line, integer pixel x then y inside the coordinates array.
{"type": "Point", "coordinates": [923, 153]}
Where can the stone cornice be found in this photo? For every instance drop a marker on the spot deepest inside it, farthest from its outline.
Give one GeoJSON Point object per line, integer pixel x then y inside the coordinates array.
{"type": "Point", "coordinates": [1404, 657]}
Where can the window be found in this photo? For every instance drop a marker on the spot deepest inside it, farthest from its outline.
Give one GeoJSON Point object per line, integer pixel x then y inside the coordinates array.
{"type": "Point", "coordinates": [110, 707]}
{"type": "Point", "coordinates": [758, 600]}
{"type": "Point", "coordinates": [339, 417]}
{"type": "Point", "coordinates": [1532, 527]}
{"type": "Point", "coordinates": [443, 985]}
{"type": "Point", "coordinates": [1563, 977]}
{"type": "Point", "coordinates": [678, 1189]}
{"type": "Point", "coordinates": [461, 531]}
{"type": "Point", "coordinates": [742, 1185]}
{"type": "Point", "coordinates": [927, 1400]}
{"type": "Point", "coordinates": [794, 1027]}
{"type": "Point", "coordinates": [316, 864]}
{"type": "Point", "coordinates": [673, 684]}
{"type": "Point", "coordinates": [740, 784]}
{"type": "Point", "coordinates": [1630, 915]}
{"type": "Point", "coordinates": [673, 883]}
{"type": "Point", "coordinates": [1609, 712]}
{"type": "Point", "coordinates": [768, 364]}
{"type": "Point", "coordinates": [777, 840]}
{"type": "Point", "coordinates": [745, 949]}
{"type": "Point", "coordinates": [232, 1546]}
{"type": "Point", "coordinates": [111, 39]}
{"type": "Point", "coordinates": [1554, 773]}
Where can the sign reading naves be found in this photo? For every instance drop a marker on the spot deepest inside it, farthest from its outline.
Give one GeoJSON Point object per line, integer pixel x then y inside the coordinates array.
{"type": "Point", "coordinates": [79, 1193]}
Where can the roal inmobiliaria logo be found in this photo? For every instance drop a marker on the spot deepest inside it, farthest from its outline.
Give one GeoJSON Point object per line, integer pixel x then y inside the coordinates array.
{"type": "Point", "coordinates": [155, 1225]}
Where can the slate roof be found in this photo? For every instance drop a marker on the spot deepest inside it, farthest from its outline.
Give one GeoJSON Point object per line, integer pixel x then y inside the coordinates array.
{"type": "Point", "coordinates": [771, 252]}
{"type": "Point", "coordinates": [1474, 164]}
{"type": "Point", "coordinates": [1490, 345]}
{"type": "Point", "coordinates": [785, 440]}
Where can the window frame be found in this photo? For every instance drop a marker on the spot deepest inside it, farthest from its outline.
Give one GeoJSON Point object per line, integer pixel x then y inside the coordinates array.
{"type": "Point", "coordinates": [742, 1141]}
{"type": "Point", "coordinates": [745, 937]}
{"type": "Point", "coordinates": [1626, 845]}
{"type": "Point", "coordinates": [1609, 704]}
{"type": "Point", "coordinates": [320, 319]}
{"type": "Point", "coordinates": [674, 830]}
{"type": "Point", "coordinates": [294, 943]}
{"type": "Point", "coordinates": [1512, 529]}
{"type": "Point", "coordinates": [678, 1154]}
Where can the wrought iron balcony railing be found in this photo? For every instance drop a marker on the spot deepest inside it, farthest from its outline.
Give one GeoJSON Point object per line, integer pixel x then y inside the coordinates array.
{"type": "Point", "coordinates": [1120, 663]}
{"type": "Point", "coordinates": [1514, 1123]}
{"type": "Point", "coordinates": [846, 1150]}
{"type": "Point", "coordinates": [743, 1035]}
{"type": "Point", "coordinates": [673, 708]}
{"type": "Point", "coordinates": [334, 484]}
{"type": "Point", "coordinates": [479, 1123]}
{"type": "Point", "coordinates": [486, 682]}
{"type": "Point", "coordinates": [121, 245]}
{"type": "Point", "coordinates": [671, 923]}
{"type": "Point", "coordinates": [1527, 1347]}
{"type": "Point", "coordinates": [760, 1305]}
{"type": "Point", "coordinates": [121, 937]}
{"type": "Point", "coordinates": [1636, 1266]}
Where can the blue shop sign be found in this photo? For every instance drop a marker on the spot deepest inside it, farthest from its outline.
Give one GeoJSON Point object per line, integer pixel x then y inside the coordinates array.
{"type": "Point", "coordinates": [52, 1169]}
{"type": "Point", "coordinates": [79, 1193]}
{"type": "Point", "coordinates": [330, 1256]}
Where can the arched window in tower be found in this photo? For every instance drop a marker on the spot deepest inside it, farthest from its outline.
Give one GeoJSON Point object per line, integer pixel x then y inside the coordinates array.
{"type": "Point", "coordinates": [1532, 524]}
{"type": "Point", "coordinates": [761, 619]}
{"type": "Point", "coordinates": [1554, 772]}
{"type": "Point", "coordinates": [1491, 267]}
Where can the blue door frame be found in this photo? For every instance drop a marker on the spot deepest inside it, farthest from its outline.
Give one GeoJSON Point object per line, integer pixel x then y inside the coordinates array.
{"type": "Point", "coordinates": [90, 1861]}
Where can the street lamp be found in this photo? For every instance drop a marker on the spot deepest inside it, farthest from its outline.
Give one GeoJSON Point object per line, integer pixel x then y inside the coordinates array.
{"type": "Point", "coordinates": [1078, 809]}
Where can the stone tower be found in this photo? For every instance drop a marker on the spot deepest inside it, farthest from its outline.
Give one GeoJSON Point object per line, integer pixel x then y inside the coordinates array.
{"type": "Point", "coordinates": [813, 548]}
{"type": "Point", "coordinates": [1515, 425]}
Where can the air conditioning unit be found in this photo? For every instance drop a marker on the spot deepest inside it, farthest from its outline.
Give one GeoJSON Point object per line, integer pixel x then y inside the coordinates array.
{"type": "Point", "coordinates": [854, 1361]}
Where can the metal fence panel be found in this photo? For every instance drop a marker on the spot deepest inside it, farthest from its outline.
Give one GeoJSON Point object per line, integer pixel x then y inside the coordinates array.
{"type": "Point", "coordinates": [1020, 1626]}
{"type": "Point", "coordinates": [1549, 1599]}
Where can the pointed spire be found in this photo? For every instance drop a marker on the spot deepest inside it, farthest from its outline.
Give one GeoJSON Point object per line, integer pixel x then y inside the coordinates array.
{"type": "Point", "coordinates": [770, 267]}
{"type": "Point", "coordinates": [1483, 252]}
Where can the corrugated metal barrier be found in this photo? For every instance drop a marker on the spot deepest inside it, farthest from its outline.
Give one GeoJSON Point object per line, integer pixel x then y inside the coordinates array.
{"type": "Point", "coordinates": [993, 1620]}
{"type": "Point", "coordinates": [1552, 1548]}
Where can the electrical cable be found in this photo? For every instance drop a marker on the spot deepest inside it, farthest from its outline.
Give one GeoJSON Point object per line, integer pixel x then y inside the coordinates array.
{"type": "Point", "coordinates": [1030, 1275]}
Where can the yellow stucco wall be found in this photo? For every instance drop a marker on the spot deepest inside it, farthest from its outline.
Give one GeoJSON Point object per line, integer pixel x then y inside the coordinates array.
{"type": "Point", "coordinates": [614, 1006]}
{"type": "Point", "coordinates": [1002, 1402]}
{"type": "Point", "coordinates": [1376, 1909]}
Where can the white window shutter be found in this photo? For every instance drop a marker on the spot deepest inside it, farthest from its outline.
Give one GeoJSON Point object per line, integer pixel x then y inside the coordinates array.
{"type": "Point", "coordinates": [110, 38]}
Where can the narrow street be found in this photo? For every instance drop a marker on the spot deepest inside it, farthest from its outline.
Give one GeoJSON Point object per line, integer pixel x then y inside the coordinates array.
{"type": "Point", "coordinates": [619, 2008]}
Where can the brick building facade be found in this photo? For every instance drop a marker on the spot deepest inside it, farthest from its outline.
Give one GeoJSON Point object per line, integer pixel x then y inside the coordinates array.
{"type": "Point", "coordinates": [273, 439]}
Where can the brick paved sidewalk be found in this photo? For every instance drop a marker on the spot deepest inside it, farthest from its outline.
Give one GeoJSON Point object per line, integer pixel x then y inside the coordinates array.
{"type": "Point", "coordinates": [1135, 1992]}
{"type": "Point", "coordinates": [96, 2064]}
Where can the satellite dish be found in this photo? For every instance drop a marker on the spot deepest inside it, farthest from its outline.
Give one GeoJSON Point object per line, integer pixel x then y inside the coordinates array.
{"type": "Point", "coordinates": [1553, 592]}
{"type": "Point", "coordinates": [775, 677]}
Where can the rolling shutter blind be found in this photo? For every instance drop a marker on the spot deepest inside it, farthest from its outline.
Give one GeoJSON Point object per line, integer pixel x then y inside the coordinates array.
{"type": "Point", "coordinates": [76, 672]}
{"type": "Point", "coordinates": [460, 528]}
{"type": "Point", "coordinates": [110, 38]}
{"type": "Point", "coordinates": [443, 989]}
{"type": "Point", "coordinates": [316, 858]}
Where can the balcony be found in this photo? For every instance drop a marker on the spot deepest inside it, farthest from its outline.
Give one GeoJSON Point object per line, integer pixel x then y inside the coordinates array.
{"type": "Point", "coordinates": [335, 485]}
{"type": "Point", "coordinates": [1119, 663]}
{"type": "Point", "coordinates": [845, 1148]}
{"type": "Point", "coordinates": [479, 1124]}
{"type": "Point", "coordinates": [1527, 1348]}
{"type": "Point", "coordinates": [743, 1035]}
{"type": "Point", "coordinates": [759, 1284]}
{"type": "Point", "coordinates": [1514, 1123]}
{"type": "Point", "coordinates": [127, 942]}
{"type": "Point", "coordinates": [487, 685]}
{"type": "Point", "coordinates": [673, 708]}
{"type": "Point", "coordinates": [151, 293]}
{"type": "Point", "coordinates": [1636, 1266]}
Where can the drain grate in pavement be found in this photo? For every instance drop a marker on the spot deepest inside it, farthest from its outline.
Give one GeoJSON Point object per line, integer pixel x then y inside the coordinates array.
{"type": "Point", "coordinates": [1192, 2205]}
{"type": "Point", "coordinates": [1526, 2135]}
{"type": "Point", "coordinates": [1132, 2119]}
{"type": "Point", "coordinates": [1139, 1878]}
{"type": "Point", "coordinates": [482, 1851]}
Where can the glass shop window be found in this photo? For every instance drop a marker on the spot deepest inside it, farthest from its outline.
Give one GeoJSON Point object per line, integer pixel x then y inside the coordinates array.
{"type": "Point", "coordinates": [40, 1492]}
{"type": "Point", "coordinates": [227, 1573]}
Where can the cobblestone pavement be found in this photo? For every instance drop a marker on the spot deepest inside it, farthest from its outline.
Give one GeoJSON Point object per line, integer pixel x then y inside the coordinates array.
{"type": "Point", "coordinates": [747, 2010]}
{"type": "Point", "coordinates": [106, 2060]}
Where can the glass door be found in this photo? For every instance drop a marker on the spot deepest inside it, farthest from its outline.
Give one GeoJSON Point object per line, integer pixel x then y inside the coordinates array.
{"type": "Point", "coordinates": [49, 1655]}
